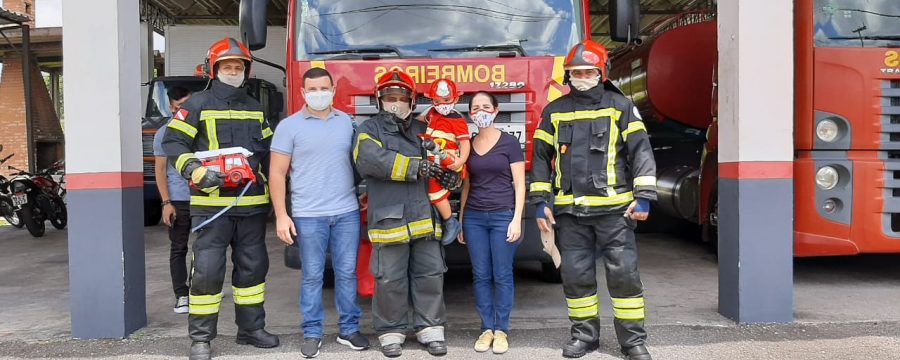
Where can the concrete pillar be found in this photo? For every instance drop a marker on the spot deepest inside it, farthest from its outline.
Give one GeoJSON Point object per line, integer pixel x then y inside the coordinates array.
{"type": "Point", "coordinates": [103, 143]}
{"type": "Point", "coordinates": [756, 93]}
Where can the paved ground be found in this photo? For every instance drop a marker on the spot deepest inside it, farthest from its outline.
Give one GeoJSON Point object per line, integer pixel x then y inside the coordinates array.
{"type": "Point", "coordinates": [846, 308]}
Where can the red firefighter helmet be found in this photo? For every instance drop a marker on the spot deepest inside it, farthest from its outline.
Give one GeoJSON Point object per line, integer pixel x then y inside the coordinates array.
{"type": "Point", "coordinates": [225, 49]}
{"type": "Point", "coordinates": [443, 88]}
{"type": "Point", "coordinates": [588, 55]}
{"type": "Point", "coordinates": [396, 82]}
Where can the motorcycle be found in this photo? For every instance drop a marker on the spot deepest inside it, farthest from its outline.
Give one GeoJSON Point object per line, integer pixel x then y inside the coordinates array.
{"type": "Point", "coordinates": [38, 198]}
{"type": "Point", "coordinates": [7, 210]}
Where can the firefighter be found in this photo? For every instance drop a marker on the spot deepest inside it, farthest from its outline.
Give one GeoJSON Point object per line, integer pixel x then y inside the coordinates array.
{"type": "Point", "coordinates": [408, 258]}
{"type": "Point", "coordinates": [220, 117]}
{"type": "Point", "coordinates": [594, 176]}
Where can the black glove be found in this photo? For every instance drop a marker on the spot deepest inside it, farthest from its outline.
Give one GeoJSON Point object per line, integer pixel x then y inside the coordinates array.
{"type": "Point", "coordinates": [207, 180]}
{"type": "Point", "coordinates": [449, 179]}
{"type": "Point", "coordinates": [428, 169]}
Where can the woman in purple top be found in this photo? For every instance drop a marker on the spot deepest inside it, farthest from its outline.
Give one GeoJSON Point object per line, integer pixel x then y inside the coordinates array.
{"type": "Point", "coordinates": [492, 201]}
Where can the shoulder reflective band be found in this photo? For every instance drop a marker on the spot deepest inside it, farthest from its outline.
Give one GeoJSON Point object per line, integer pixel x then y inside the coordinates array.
{"type": "Point", "coordinates": [359, 140]}
{"type": "Point", "coordinates": [184, 127]}
{"type": "Point", "coordinates": [612, 113]}
{"type": "Point", "coordinates": [633, 126]}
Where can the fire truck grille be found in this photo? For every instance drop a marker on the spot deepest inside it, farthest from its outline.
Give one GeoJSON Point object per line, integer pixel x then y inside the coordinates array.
{"type": "Point", "coordinates": [147, 147]}
{"type": "Point", "coordinates": [890, 114]}
{"type": "Point", "coordinates": [890, 141]}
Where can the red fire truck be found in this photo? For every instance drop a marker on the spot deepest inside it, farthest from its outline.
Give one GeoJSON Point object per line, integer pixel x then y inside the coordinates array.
{"type": "Point", "coordinates": [513, 49]}
{"type": "Point", "coordinates": [846, 123]}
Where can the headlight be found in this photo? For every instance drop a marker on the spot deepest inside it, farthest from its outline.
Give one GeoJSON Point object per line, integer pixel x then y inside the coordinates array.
{"type": "Point", "coordinates": [827, 178]}
{"type": "Point", "coordinates": [827, 130]}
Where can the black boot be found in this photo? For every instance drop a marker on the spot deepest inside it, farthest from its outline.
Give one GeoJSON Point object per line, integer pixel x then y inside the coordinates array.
{"type": "Point", "coordinates": [200, 350]}
{"type": "Point", "coordinates": [437, 348]}
{"type": "Point", "coordinates": [636, 353]}
{"type": "Point", "coordinates": [577, 348]}
{"type": "Point", "coordinates": [392, 350]}
{"type": "Point", "coordinates": [259, 338]}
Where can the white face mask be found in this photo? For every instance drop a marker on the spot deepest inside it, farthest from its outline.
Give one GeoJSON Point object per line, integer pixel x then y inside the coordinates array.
{"type": "Point", "coordinates": [584, 84]}
{"type": "Point", "coordinates": [318, 100]}
{"type": "Point", "coordinates": [232, 80]}
{"type": "Point", "coordinates": [444, 109]}
{"type": "Point", "coordinates": [400, 108]}
{"type": "Point", "coordinates": [483, 119]}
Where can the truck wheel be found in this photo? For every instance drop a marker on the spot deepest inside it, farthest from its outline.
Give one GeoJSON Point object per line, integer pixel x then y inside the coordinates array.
{"type": "Point", "coordinates": [549, 273]}
{"type": "Point", "coordinates": [152, 213]}
{"type": "Point", "coordinates": [33, 222]}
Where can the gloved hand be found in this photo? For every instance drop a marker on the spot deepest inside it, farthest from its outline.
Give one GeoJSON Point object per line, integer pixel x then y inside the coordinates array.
{"type": "Point", "coordinates": [428, 169]}
{"type": "Point", "coordinates": [207, 180]}
{"type": "Point", "coordinates": [643, 205]}
{"type": "Point", "coordinates": [449, 179]}
{"type": "Point", "coordinates": [545, 221]}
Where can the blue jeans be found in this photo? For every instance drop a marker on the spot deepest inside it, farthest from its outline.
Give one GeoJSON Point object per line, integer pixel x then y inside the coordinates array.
{"type": "Point", "coordinates": [492, 265]}
{"type": "Point", "coordinates": [340, 234]}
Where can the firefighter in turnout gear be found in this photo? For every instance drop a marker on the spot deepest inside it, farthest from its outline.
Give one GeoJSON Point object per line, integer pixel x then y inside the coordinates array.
{"type": "Point", "coordinates": [593, 166]}
{"type": "Point", "coordinates": [220, 117]}
{"type": "Point", "coordinates": [408, 258]}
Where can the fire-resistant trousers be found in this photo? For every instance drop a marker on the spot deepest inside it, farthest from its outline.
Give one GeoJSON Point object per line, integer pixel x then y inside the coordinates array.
{"type": "Point", "coordinates": [580, 240]}
{"type": "Point", "coordinates": [246, 236]}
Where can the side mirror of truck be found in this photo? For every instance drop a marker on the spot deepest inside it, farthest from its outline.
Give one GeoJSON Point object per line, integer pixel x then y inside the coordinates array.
{"type": "Point", "coordinates": [253, 23]}
{"type": "Point", "coordinates": [624, 20]}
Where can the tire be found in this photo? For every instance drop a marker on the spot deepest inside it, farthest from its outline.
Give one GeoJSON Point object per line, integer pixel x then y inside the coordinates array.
{"type": "Point", "coordinates": [33, 222]}
{"type": "Point", "coordinates": [152, 213]}
{"type": "Point", "coordinates": [12, 218]}
{"type": "Point", "coordinates": [61, 217]}
{"type": "Point", "coordinates": [549, 273]}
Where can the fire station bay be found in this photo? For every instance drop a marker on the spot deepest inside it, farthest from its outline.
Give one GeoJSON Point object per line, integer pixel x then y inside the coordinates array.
{"type": "Point", "coordinates": [772, 128]}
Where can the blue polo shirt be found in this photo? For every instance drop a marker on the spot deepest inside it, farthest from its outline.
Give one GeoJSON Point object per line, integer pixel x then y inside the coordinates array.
{"type": "Point", "coordinates": [179, 189]}
{"type": "Point", "coordinates": [322, 181]}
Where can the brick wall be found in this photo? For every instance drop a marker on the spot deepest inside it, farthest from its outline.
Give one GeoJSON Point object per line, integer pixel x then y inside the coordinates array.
{"type": "Point", "coordinates": [24, 7]}
{"type": "Point", "coordinates": [13, 133]}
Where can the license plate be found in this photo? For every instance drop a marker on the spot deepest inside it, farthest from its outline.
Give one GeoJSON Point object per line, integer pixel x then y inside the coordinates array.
{"type": "Point", "coordinates": [514, 129]}
{"type": "Point", "coordinates": [19, 200]}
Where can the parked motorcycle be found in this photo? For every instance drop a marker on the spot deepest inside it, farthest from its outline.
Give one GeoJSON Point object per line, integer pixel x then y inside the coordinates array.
{"type": "Point", "coordinates": [37, 198]}
{"type": "Point", "coordinates": [7, 210]}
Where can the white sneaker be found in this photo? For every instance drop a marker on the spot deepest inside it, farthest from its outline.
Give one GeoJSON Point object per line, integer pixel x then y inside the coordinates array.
{"type": "Point", "coordinates": [181, 305]}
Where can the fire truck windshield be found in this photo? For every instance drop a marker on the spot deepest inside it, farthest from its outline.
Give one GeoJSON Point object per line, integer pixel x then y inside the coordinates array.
{"type": "Point", "coordinates": [334, 29]}
{"type": "Point", "coordinates": [857, 23]}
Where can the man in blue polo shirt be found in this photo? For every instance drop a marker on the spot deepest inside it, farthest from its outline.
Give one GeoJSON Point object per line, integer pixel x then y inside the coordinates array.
{"type": "Point", "coordinates": [315, 145]}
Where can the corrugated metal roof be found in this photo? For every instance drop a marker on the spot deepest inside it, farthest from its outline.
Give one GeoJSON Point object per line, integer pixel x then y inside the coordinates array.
{"type": "Point", "coordinates": [8, 17]}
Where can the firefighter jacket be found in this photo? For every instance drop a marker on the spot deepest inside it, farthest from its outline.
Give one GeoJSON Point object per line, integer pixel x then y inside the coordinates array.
{"type": "Point", "coordinates": [592, 155]}
{"type": "Point", "coordinates": [221, 117]}
{"type": "Point", "coordinates": [387, 156]}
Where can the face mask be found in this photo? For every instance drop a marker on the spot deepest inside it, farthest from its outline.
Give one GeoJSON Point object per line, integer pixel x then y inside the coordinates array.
{"type": "Point", "coordinates": [584, 84]}
{"type": "Point", "coordinates": [232, 80]}
{"type": "Point", "coordinates": [318, 100]}
{"type": "Point", "coordinates": [400, 109]}
{"type": "Point", "coordinates": [444, 109]}
{"type": "Point", "coordinates": [483, 119]}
